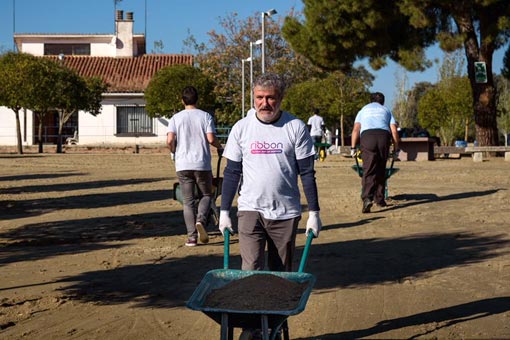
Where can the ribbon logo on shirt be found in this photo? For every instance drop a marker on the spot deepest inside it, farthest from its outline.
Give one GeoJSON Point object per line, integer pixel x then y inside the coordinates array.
{"type": "Point", "coordinates": [266, 147]}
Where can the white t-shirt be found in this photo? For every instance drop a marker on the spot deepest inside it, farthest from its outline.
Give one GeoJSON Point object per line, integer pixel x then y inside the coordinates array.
{"type": "Point", "coordinates": [316, 122]}
{"type": "Point", "coordinates": [269, 153]}
{"type": "Point", "coordinates": [192, 150]}
{"type": "Point", "coordinates": [251, 111]}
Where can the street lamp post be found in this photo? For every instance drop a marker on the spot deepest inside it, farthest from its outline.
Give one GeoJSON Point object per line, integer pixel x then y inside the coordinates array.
{"type": "Point", "coordinates": [243, 91]}
{"type": "Point", "coordinates": [258, 42]}
{"type": "Point", "coordinates": [263, 17]}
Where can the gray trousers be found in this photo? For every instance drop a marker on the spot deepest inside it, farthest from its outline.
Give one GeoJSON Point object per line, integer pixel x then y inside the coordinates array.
{"type": "Point", "coordinates": [280, 235]}
{"type": "Point", "coordinates": [189, 181]}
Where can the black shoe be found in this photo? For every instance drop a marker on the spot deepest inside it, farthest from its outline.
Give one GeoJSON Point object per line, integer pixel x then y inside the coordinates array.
{"type": "Point", "coordinates": [367, 204]}
{"type": "Point", "coordinates": [381, 204]}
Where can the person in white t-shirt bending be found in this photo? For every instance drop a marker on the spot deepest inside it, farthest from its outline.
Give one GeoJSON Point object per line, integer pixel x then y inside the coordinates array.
{"type": "Point", "coordinates": [269, 150]}
{"type": "Point", "coordinates": [189, 134]}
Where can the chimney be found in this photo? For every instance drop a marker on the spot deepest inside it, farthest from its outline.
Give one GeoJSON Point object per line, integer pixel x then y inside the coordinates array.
{"type": "Point", "coordinates": [125, 47]}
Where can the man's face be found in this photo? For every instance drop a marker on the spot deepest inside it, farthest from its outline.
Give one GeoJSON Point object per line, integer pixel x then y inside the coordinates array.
{"type": "Point", "coordinates": [267, 103]}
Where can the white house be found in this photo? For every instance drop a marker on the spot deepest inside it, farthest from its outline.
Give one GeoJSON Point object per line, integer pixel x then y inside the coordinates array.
{"type": "Point", "coordinates": [120, 60]}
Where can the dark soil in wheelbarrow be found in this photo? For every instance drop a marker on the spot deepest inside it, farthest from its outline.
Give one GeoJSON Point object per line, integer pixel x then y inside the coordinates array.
{"type": "Point", "coordinates": [262, 292]}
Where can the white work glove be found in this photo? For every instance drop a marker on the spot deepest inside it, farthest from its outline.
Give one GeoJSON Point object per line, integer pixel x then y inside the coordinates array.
{"type": "Point", "coordinates": [353, 152]}
{"type": "Point", "coordinates": [225, 222]}
{"type": "Point", "coordinates": [314, 223]}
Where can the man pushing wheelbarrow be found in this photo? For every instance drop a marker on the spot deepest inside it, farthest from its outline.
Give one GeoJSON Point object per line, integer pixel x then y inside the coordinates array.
{"type": "Point", "coordinates": [189, 135]}
{"type": "Point", "coordinates": [376, 129]}
{"type": "Point", "coordinates": [266, 153]}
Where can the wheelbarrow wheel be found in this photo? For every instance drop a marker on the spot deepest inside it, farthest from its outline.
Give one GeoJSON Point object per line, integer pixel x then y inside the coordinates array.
{"type": "Point", "coordinates": [250, 334]}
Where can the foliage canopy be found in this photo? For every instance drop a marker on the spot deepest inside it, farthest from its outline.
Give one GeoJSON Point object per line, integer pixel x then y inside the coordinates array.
{"type": "Point", "coordinates": [335, 34]}
{"type": "Point", "coordinates": [163, 94]}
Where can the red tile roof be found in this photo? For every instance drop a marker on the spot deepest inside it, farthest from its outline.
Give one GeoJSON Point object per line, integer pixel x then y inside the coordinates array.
{"type": "Point", "coordinates": [124, 74]}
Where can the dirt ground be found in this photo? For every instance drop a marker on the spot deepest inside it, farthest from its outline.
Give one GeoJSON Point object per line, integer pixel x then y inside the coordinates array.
{"type": "Point", "coordinates": [92, 247]}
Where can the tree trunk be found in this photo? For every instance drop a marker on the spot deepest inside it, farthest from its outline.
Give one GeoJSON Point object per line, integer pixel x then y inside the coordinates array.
{"type": "Point", "coordinates": [40, 133]}
{"type": "Point", "coordinates": [341, 129]}
{"type": "Point", "coordinates": [59, 138]}
{"type": "Point", "coordinates": [466, 130]}
{"type": "Point", "coordinates": [18, 133]}
{"type": "Point", "coordinates": [484, 91]}
{"type": "Point", "coordinates": [485, 117]}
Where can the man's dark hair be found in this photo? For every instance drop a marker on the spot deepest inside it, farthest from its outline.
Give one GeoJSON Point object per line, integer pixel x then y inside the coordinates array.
{"type": "Point", "coordinates": [377, 97]}
{"type": "Point", "coordinates": [316, 111]}
{"type": "Point", "coordinates": [189, 95]}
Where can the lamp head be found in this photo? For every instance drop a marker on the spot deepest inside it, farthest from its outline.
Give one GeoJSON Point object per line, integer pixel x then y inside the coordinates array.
{"type": "Point", "coordinates": [272, 11]}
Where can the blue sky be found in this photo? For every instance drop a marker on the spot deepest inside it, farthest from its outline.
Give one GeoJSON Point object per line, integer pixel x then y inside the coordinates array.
{"type": "Point", "coordinates": [168, 21]}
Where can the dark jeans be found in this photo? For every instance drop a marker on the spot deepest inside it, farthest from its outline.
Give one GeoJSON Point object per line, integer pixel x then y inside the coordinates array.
{"type": "Point", "coordinates": [375, 148]}
{"type": "Point", "coordinates": [189, 180]}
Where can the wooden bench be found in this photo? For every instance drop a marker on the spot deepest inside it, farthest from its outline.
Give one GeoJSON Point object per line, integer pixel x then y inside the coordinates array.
{"type": "Point", "coordinates": [450, 152]}
{"type": "Point", "coordinates": [479, 152]}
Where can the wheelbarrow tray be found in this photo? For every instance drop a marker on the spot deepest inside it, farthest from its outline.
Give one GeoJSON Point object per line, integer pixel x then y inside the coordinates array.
{"type": "Point", "coordinates": [217, 183]}
{"type": "Point", "coordinates": [218, 278]}
{"type": "Point", "coordinates": [322, 145]}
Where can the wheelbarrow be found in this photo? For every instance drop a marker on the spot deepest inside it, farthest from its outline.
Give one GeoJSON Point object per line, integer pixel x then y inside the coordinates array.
{"type": "Point", "coordinates": [269, 321]}
{"type": "Point", "coordinates": [321, 150]}
{"type": "Point", "coordinates": [213, 216]}
{"type": "Point", "coordinates": [390, 170]}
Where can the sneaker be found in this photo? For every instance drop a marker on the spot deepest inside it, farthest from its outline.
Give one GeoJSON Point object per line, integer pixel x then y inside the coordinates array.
{"type": "Point", "coordinates": [202, 234]}
{"type": "Point", "coordinates": [367, 204]}
{"type": "Point", "coordinates": [191, 242]}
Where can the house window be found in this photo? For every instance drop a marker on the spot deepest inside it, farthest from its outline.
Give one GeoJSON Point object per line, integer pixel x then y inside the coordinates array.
{"type": "Point", "coordinates": [133, 121]}
{"type": "Point", "coordinates": [67, 49]}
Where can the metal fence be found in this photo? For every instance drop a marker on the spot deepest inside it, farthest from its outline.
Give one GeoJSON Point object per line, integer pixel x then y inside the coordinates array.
{"type": "Point", "coordinates": [222, 133]}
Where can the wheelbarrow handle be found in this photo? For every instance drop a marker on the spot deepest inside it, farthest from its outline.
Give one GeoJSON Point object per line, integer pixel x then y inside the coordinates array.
{"type": "Point", "coordinates": [226, 248]}
{"type": "Point", "coordinates": [218, 166]}
{"type": "Point", "coordinates": [302, 264]}
{"type": "Point", "coordinates": [304, 257]}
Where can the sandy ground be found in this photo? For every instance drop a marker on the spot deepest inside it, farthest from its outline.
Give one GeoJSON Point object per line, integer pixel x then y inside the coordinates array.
{"type": "Point", "coordinates": [92, 247]}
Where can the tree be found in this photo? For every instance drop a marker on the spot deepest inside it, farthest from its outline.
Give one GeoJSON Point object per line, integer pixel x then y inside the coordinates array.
{"type": "Point", "coordinates": [445, 111]}
{"type": "Point", "coordinates": [506, 65]}
{"type": "Point", "coordinates": [338, 33]}
{"type": "Point", "coordinates": [44, 96]}
{"type": "Point", "coordinates": [159, 47]}
{"type": "Point", "coordinates": [74, 94]}
{"type": "Point", "coordinates": [401, 109]}
{"type": "Point", "coordinates": [338, 97]}
{"type": "Point", "coordinates": [412, 98]}
{"type": "Point", "coordinates": [163, 94]}
{"type": "Point", "coordinates": [456, 90]}
{"type": "Point", "coordinates": [503, 101]}
{"type": "Point", "coordinates": [15, 84]}
{"type": "Point", "coordinates": [222, 59]}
